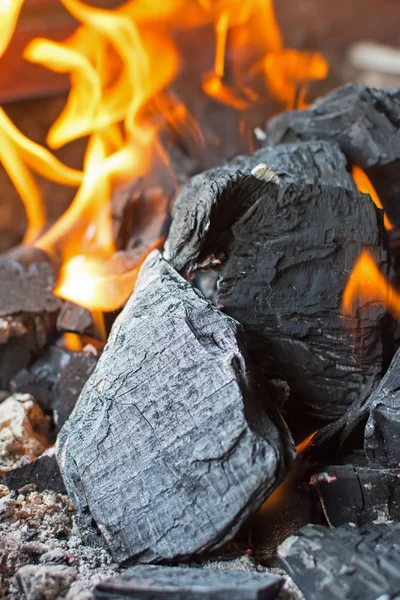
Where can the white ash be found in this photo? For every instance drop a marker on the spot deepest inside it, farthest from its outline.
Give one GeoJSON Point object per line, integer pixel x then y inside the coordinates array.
{"type": "Point", "coordinates": [42, 556]}
{"type": "Point", "coordinates": [23, 431]}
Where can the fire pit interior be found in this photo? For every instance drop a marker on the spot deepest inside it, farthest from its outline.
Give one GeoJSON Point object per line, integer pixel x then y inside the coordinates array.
{"type": "Point", "coordinates": [199, 364]}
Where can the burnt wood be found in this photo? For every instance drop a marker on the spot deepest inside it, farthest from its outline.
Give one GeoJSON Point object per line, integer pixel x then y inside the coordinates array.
{"type": "Point", "coordinates": [75, 319]}
{"type": "Point", "coordinates": [169, 449]}
{"type": "Point", "coordinates": [179, 583]}
{"type": "Point", "coordinates": [288, 261]}
{"type": "Point", "coordinates": [372, 423]}
{"type": "Point", "coordinates": [349, 563]}
{"type": "Point", "coordinates": [365, 122]}
{"type": "Point", "coordinates": [43, 473]}
{"type": "Point", "coordinates": [212, 201]}
{"type": "Point", "coordinates": [56, 379]}
{"type": "Point", "coordinates": [356, 494]}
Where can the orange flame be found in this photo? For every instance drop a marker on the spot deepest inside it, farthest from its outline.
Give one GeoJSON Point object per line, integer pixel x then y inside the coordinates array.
{"type": "Point", "coordinates": [365, 186]}
{"type": "Point", "coordinates": [368, 285]}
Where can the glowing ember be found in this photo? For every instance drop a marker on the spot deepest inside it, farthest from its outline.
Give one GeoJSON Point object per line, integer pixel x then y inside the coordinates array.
{"type": "Point", "coordinates": [121, 63]}
{"type": "Point", "coordinates": [365, 186]}
{"type": "Point", "coordinates": [367, 285]}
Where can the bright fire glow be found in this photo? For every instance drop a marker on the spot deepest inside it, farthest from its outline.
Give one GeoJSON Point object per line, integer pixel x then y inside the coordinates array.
{"type": "Point", "coordinates": [121, 63]}
{"type": "Point", "coordinates": [365, 186]}
{"type": "Point", "coordinates": [368, 285]}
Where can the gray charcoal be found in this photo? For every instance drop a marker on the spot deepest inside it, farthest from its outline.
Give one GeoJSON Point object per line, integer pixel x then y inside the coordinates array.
{"type": "Point", "coordinates": [206, 207]}
{"type": "Point", "coordinates": [169, 449]}
{"type": "Point", "coordinates": [178, 583]}
{"type": "Point", "coordinates": [365, 122]}
{"type": "Point", "coordinates": [372, 422]}
{"type": "Point", "coordinates": [75, 319]}
{"type": "Point", "coordinates": [288, 261]}
{"type": "Point", "coordinates": [349, 563]}
{"type": "Point", "coordinates": [43, 473]}
{"type": "Point", "coordinates": [351, 493]}
{"type": "Point", "coordinates": [56, 379]}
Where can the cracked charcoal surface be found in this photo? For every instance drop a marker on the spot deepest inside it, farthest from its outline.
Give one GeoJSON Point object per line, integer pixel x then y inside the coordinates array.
{"type": "Point", "coordinates": [206, 206]}
{"type": "Point", "coordinates": [379, 413]}
{"type": "Point", "coordinates": [365, 122]}
{"type": "Point", "coordinates": [287, 264]}
{"type": "Point", "coordinates": [176, 583]}
{"type": "Point", "coordinates": [347, 563]}
{"type": "Point", "coordinates": [169, 450]}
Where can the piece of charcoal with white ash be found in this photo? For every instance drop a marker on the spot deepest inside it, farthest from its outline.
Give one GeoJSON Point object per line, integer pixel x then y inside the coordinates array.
{"type": "Point", "coordinates": [347, 563]}
{"type": "Point", "coordinates": [364, 122]}
{"type": "Point", "coordinates": [209, 204]}
{"type": "Point", "coordinates": [56, 379]}
{"type": "Point", "coordinates": [358, 494]}
{"type": "Point", "coordinates": [178, 583]}
{"type": "Point", "coordinates": [171, 447]}
{"type": "Point", "coordinates": [287, 263]}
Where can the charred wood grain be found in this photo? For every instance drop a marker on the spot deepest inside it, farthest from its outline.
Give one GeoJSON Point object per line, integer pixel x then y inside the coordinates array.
{"type": "Point", "coordinates": [179, 583]}
{"type": "Point", "coordinates": [348, 563]}
{"type": "Point", "coordinates": [56, 379]}
{"type": "Point", "coordinates": [356, 494]}
{"type": "Point", "coordinates": [211, 202]}
{"type": "Point", "coordinates": [43, 473]}
{"type": "Point", "coordinates": [170, 449]}
{"type": "Point", "coordinates": [287, 264]}
{"type": "Point", "coordinates": [365, 122]}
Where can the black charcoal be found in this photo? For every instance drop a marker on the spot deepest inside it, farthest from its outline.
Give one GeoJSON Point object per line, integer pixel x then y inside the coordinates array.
{"type": "Point", "coordinates": [179, 583]}
{"type": "Point", "coordinates": [288, 261]}
{"type": "Point", "coordinates": [169, 449]}
{"type": "Point", "coordinates": [356, 494]}
{"type": "Point", "coordinates": [349, 563]}
{"type": "Point", "coordinates": [211, 202]}
{"type": "Point", "coordinates": [56, 379]}
{"type": "Point", "coordinates": [43, 473]}
{"type": "Point", "coordinates": [365, 122]}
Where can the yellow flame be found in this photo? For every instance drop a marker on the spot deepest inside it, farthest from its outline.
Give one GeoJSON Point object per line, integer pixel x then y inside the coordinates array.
{"type": "Point", "coordinates": [365, 186]}
{"type": "Point", "coordinates": [9, 13]}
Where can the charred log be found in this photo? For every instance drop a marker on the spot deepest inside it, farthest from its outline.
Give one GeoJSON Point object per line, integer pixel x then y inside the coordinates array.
{"type": "Point", "coordinates": [287, 264]}
{"type": "Point", "coordinates": [358, 495]}
{"type": "Point", "coordinates": [152, 582]}
{"type": "Point", "coordinates": [365, 122]}
{"type": "Point", "coordinates": [345, 563]}
{"type": "Point", "coordinates": [211, 202]}
{"type": "Point", "coordinates": [56, 379]}
{"type": "Point", "coordinates": [169, 449]}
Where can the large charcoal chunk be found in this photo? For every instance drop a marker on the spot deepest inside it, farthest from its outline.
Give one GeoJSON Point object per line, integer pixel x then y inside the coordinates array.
{"type": "Point", "coordinates": [169, 449]}
{"type": "Point", "coordinates": [347, 563]}
{"type": "Point", "coordinates": [365, 122]}
{"type": "Point", "coordinates": [287, 265]}
{"type": "Point", "coordinates": [178, 583]}
{"type": "Point", "coordinates": [211, 202]}
{"type": "Point", "coordinates": [373, 422]}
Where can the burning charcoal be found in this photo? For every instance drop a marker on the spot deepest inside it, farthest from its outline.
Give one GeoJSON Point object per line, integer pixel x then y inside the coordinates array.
{"type": "Point", "coordinates": [28, 309]}
{"type": "Point", "coordinates": [211, 202]}
{"type": "Point", "coordinates": [56, 379]}
{"type": "Point", "coordinates": [346, 563]}
{"type": "Point", "coordinates": [150, 581]}
{"type": "Point", "coordinates": [43, 473]}
{"type": "Point", "coordinates": [75, 319]}
{"type": "Point", "coordinates": [286, 268]}
{"type": "Point", "coordinates": [377, 418]}
{"type": "Point", "coordinates": [358, 494]}
{"type": "Point", "coordinates": [365, 122]}
{"type": "Point", "coordinates": [169, 449]}
{"type": "Point", "coordinates": [23, 429]}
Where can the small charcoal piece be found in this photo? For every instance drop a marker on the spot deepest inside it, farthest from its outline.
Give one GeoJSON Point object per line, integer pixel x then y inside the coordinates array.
{"type": "Point", "coordinates": [75, 319]}
{"type": "Point", "coordinates": [348, 563]}
{"type": "Point", "coordinates": [181, 583]}
{"type": "Point", "coordinates": [350, 493]}
{"type": "Point", "coordinates": [56, 379]}
{"type": "Point", "coordinates": [372, 422]}
{"type": "Point", "coordinates": [43, 473]}
{"type": "Point", "coordinates": [287, 265]}
{"type": "Point", "coordinates": [28, 309]}
{"type": "Point", "coordinates": [365, 122]}
{"type": "Point", "coordinates": [211, 202]}
{"type": "Point", "coordinates": [169, 449]}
